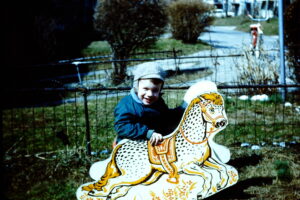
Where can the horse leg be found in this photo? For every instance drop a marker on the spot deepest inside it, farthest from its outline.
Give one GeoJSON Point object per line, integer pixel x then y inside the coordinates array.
{"type": "Point", "coordinates": [222, 170]}
{"type": "Point", "coordinates": [119, 192]}
{"type": "Point", "coordinates": [121, 184]}
{"type": "Point", "coordinates": [197, 170]}
{"type": "Point", "coordinates": [153, 178]}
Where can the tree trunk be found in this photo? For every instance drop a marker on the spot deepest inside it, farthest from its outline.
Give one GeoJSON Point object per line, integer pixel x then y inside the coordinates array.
{"type": "Point", "coordinates": [119, 66]}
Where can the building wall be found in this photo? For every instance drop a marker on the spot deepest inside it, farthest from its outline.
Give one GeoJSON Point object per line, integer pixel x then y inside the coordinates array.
{"type": "Point", "coordinates": [261, 8]}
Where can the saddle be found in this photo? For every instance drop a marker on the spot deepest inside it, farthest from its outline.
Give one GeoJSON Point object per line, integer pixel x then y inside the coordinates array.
{"type": "Point", "coordinates": [164, 154]}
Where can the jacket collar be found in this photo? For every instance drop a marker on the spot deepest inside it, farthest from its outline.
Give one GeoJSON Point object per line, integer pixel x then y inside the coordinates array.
{"type": "Point", "coordinates": [134, 96]}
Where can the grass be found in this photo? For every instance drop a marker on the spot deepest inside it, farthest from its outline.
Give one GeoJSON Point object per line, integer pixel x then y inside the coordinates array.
{"type": "Point", "coordinates": [242, 23]}
{"type": "Point", "coordinates": [163, 44]}
{"type": "Point", "coordinates": [170, 44]}
{"type": "Point", "coordinates": [42, 166]}
{"type": "Point", "coordinates": [259, 174]}
{"type": "Point", "coordinates": [182, 77]}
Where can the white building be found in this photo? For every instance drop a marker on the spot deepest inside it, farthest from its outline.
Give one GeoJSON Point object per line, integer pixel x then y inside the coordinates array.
{"type": "Point", "coordinates": [257, 8]}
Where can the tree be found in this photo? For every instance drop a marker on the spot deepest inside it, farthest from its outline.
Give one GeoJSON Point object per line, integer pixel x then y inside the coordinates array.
{"type": "Point", "coordinates": [41, 32]}
{"type": "Point", "coordinates": [127, 25]}
{"type": "Point", "coordinates": [188, 19]}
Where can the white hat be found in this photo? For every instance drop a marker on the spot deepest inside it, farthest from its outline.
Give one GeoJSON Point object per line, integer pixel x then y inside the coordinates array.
{"type": "Point", "coordinates": [149, 70]}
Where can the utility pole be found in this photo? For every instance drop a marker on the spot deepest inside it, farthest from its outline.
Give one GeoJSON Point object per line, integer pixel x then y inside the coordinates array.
{"type": "Point", "coordinates": [254, 8]}
{"type": "Point", "coordinates": [282, 50]}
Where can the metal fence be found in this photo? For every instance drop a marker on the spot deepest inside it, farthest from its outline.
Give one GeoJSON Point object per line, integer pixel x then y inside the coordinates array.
{"type": "Point", "coordinates": [78, 111]}
{"type": "Point", "coordinates": [83, 117]}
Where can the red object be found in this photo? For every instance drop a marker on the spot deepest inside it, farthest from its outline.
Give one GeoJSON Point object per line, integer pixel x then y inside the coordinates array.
{"type": "Point", "coordinates": [254, 38]}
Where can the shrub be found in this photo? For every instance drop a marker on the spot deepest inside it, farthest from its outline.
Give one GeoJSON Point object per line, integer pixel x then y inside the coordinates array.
{"type": "Point", "coordinates": [292, 29]}
{"type": "Point", "coordinates": [283, 170]}
{"type": "Point", "coordinates": [254, 71]}
{"type": "Point", "coordinates": [127, 25]}
{"type": "Point", "coordinates": [188, 19]}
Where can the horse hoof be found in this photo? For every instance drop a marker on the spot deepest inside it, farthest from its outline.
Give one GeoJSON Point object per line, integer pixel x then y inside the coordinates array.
{"type": "Point", "coordinates": [173, 180]}
{"type": "Point", "coordinates": [88, 188]}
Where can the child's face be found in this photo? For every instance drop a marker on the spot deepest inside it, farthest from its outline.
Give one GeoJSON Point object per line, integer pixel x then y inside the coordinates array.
{"type": "Point", "coordinates": [148, 91]}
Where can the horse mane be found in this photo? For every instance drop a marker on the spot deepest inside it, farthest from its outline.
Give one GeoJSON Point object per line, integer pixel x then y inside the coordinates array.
{"type": "Point", "coordinates": [214, 97]}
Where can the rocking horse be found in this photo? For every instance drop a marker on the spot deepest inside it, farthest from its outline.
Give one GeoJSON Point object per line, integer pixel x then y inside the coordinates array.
{"type": "Point", "coordinates": [188, 163]}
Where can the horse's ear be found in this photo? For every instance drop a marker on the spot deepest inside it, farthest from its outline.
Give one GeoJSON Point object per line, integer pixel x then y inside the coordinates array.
{"type": "Point", "coordinates": [214, 97]}
{"type": "Point", "coordinates": [203, 99]}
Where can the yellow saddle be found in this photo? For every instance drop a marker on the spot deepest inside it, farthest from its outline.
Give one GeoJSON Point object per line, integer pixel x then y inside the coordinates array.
{"type": "Point", "coordinates": [164, 154]}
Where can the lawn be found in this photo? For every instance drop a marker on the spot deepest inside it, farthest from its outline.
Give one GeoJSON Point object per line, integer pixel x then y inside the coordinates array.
{"type": "Point", "coordinates": [163, 44]}
{"type": "Point", "coordinates": [242, 23]}
{"type": "Point", "coordinates": [43, 165]}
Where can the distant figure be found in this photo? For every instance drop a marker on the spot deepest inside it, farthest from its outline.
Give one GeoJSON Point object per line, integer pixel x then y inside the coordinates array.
{"type": "Point", "coordinates": [256, 39]}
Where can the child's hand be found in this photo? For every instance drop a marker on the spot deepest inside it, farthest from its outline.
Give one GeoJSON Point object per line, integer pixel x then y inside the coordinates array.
{"type": "Point", "coordinates": [156, 139]}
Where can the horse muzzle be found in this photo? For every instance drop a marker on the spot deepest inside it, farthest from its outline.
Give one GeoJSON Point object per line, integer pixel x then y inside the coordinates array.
{"type": "Point", "coordinates": [220, 123]}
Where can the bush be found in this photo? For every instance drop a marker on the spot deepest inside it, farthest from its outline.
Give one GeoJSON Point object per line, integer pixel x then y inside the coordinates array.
{"type": "Point", "coordinates": [253, 71]}
{"type": "Point", "coordinates": [188, 19]}
{"type": "Point", "coordinates": [292, 29]}
{"type": "Point", "coordinates": [283, 170]}
{"type": "Point", "coordinates": [128, 25]}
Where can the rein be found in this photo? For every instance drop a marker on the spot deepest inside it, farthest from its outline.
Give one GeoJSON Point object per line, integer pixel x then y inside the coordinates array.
{"type": "Point", "coordinates": [204, 111]}
{"type": "Point", "coordinates": [213, 122]}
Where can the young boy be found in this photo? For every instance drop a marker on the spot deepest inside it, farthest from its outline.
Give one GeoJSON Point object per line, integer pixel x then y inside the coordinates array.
{"type": "Point", "coordinates": [143, 114]}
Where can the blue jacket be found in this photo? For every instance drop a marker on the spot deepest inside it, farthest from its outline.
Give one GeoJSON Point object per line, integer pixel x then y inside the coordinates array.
{"type": "Point", "coordinates": [134, 120]}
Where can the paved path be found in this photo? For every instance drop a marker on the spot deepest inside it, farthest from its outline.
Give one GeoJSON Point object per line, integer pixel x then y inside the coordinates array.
{"type": "Point", "coordinates": [225, 40]}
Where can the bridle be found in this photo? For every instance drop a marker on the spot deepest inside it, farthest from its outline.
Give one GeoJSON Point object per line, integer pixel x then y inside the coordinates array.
{"type": "Point", "coordinates": [213, 121]}
{"type": "Point", "coordinates": [208, 116]}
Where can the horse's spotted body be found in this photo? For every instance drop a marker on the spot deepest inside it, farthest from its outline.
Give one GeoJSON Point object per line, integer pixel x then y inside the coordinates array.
{"type": "Point", "coordinates": [133, 153]}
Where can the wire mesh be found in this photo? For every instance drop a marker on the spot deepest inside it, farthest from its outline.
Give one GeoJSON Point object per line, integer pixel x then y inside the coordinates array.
{"type": "Point", "coordinates": [59, 124]}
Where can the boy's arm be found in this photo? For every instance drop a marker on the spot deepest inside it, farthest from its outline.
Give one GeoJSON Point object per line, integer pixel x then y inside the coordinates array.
{"type": "Point", "coordinates": [127, 128]}
{"type": "Point", "coordinates": [127, 125]}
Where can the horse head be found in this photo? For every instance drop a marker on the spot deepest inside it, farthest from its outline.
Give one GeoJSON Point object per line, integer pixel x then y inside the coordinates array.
{"type": "Point", "coordinates": [213, 111]}
{"type": "Point", "coordinates": [205, 116]}
{"type": "Point", "coordinates": [204, 108]}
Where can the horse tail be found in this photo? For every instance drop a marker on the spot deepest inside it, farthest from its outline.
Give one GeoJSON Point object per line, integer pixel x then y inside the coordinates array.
{"type": "Point", "coordinates": [98, 169]}
{"type": "Point", "coordinates": [111, 171]}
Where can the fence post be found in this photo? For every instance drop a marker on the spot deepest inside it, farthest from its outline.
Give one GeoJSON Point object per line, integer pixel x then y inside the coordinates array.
{"type": "Point", "coordinates": [87, 122]}
{"type": "Point", "coordinates": [282, 51]}
{"type": "Point", "coordinates": [175, 60]}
